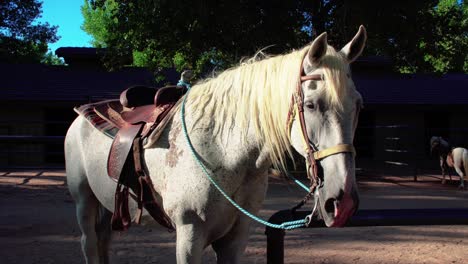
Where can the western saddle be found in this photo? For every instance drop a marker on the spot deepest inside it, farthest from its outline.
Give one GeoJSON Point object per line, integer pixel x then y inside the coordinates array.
{"type": "Point", "coordinates": [136, 116]}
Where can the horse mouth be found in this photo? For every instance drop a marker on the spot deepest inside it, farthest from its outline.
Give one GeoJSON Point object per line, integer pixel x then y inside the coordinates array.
{"type": "Point", "coordinates": [340, 220]}
{"type": "Point", "coordinates": [336, 213]}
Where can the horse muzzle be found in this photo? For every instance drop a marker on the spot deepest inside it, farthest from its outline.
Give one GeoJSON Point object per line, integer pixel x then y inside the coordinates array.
{"type": "Point", "coordinates": [338, 198]}
{"type": "Point", "coordinates": [344, 209]}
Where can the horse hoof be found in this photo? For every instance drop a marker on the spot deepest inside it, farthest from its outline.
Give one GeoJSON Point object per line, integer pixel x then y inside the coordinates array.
{"type": "Point", "coordinates": [461, 187]}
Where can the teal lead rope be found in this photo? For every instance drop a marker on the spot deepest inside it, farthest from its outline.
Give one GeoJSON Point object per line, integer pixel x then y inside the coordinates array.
{"type": "Point", "coordinates": [182, 83]}
{"type": "Point", "coordinates": [286, 225]}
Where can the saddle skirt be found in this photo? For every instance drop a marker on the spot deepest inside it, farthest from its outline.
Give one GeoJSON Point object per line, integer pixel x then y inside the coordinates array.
{"type": "Point", "coordinates": [449, 160]}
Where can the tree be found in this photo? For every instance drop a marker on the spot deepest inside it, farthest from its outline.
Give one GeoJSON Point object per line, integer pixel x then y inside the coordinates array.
{"type": "Point", "coordinates": [419, 36]}
{"type": "Point", "coordinates": [22, 40]}
{"type": "Point", "coordinates": [445, 42]}
{"type": "Point", "coordinates": [99, 20]}
{"type": "Point", "coordinates": [194, 34]}
{"type": "Point", "coordinates": [51, 59]}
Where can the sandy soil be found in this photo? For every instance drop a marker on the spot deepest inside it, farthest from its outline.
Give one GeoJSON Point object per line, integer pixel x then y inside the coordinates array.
{"type": "Point", "coordinates": [37, 225]}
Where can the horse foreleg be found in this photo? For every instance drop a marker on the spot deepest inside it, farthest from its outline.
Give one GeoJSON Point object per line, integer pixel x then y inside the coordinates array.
{"type": "Point", "coordinates": [190, 243]}
{"type": "Point", "coordinates": [229, 248]}
{"type": "Point", "coordinates": [443, 169]}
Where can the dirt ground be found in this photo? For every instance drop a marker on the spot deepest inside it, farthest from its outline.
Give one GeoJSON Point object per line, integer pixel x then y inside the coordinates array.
{"type": "Point", "coordinates": [37, 225]}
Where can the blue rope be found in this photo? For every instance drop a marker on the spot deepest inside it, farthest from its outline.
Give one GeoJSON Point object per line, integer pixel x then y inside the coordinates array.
{"type": "Point", "coordinates": [286, 225]}
{"type": "Point", "coordinates": [182, 83]}
{"type": "Point", "coordinates": [303, 186]}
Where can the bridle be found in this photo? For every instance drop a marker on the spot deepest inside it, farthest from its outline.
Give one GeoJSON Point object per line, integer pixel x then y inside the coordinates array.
{"type": "Point", "coordinates": [313, 155]}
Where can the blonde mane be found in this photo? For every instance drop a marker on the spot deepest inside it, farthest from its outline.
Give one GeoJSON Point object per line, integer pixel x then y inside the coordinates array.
{"type": "Point", "coordinates": [259, 93]}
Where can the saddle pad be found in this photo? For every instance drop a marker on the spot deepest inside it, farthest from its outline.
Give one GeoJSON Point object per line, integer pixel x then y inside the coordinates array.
{"type": "Point", "coordinates": [88, 112]}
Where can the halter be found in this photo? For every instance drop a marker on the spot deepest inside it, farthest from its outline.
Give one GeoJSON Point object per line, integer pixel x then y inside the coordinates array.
{"type": "Point", "coordinates": [312, 153]}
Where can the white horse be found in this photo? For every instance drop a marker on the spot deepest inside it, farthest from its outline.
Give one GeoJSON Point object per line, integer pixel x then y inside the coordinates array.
{"type": "Point", "coordinates": [456, 158]}
{"type": "Point", "coordinates": [237, 122]}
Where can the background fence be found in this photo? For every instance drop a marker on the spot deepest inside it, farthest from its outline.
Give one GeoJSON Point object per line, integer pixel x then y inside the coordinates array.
{"type": "Point", "coordinates": [26, 143]}
{"type": "Point", "coordinates": [401, 148]}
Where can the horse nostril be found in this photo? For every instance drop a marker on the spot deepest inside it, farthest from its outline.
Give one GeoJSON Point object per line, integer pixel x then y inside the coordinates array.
{"type": "Point", "coordinates": [329, 206]}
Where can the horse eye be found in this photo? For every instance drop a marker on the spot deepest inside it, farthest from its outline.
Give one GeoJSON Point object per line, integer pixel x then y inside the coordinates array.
{"type": "Point", "coordinates": [310, 106]}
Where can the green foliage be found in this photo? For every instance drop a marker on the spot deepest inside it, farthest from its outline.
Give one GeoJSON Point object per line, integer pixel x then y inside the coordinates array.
{"type": "Point", "coordinates": [445, 42]}
{"type": "Point", "coordinates": [212, 60]}
{"type": "Point", "coordinates": [184, 34]}
{"type": "Point", "coordinates": [51, 59]}
{"type": "Point", "coordinates": [99, 21]}
{"type": "Point", "coordinates": [22, 39]}
{"type": "Point", "coordinates": [180, 61]}
{"type": "Point", "coordinates": [420, 36]}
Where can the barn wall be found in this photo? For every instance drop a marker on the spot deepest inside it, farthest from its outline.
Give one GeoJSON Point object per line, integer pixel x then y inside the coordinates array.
{"type": "Point", "coordinates": [21, 119]}
{"type": "Point", "coordinates": [399, 135]}
{"type": "Point", "coordinates": [459, 128]}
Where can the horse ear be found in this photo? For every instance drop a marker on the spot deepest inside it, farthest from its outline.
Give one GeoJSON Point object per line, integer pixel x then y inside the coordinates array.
{"type": "Point", "coordinates": [317, 49]}
{"type": "Point", "coordinates": [354, 48]}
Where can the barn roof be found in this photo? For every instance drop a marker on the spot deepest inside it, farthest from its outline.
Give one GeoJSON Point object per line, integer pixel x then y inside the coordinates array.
{"type": "Point", "coordinates": [60, 83]}
{"type": "Point", "coordinates": [417, 89]}
{"type": "Point", "coordinates": [82, 84]}
{"type": "Point", "coordinates": [86, 56]}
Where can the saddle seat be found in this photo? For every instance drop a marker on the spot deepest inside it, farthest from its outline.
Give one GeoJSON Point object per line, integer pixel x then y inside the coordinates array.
{"type": "Point", "coordinates": [138, 95]}
{"type": "Point", "coordinates": [144, 104]}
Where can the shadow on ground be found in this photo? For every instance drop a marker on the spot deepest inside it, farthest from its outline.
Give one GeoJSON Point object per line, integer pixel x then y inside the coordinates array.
{"type": "Point", "coordinates": [37, 225]}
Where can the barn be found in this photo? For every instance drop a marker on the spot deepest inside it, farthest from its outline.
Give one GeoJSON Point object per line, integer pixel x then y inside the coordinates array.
{"type": "Point", "coordinates": [37, 103]}
{"type": "Point", "coordinates": [401, 112]}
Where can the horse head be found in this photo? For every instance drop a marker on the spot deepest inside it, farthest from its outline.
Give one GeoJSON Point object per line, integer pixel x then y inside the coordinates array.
{"type": "Point", "coordinates": [331, 107]}
{"type": "Point", "coordinates": [439, 145]}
